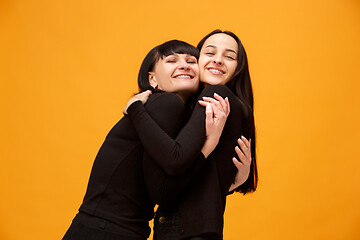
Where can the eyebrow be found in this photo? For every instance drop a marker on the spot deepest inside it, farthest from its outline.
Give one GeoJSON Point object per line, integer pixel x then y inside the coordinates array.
{"type": "Point", "coordinates": [228, 49]}
{"type": "Point", "coordinates": [177, 55]}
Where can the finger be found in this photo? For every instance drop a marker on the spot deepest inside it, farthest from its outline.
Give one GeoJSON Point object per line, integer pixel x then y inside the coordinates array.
{"type": "Point", "coordinates": [237, 164]}
{"type": "Point", "coordinates": [240, 154]}
{"type": "Point", "coordinates": [145, 95]}
{"type": "Point", "coordinates": [211, 100]}
{"type": "Point", "coordinates": [244, 149]}
{"type": "Point", "coordinates": [203, 103]}
{"type": "Point", "coordinates": [209, 113]}
{"type": "Point", "coordinates": [217, 108]}
{"type": "Point", "coordinates": [221, 100]}
{"type": "Point", "coordinates": [247, 143]}
{"type": "Point", "coordinates": [228, 105]}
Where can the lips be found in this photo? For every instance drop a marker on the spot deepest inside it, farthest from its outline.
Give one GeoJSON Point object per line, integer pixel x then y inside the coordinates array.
{"type": "Point", "coordinates": [215, 71]}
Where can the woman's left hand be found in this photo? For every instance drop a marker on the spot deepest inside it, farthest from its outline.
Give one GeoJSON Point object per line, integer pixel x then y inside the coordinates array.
{"type": "Point", "coordinates": [143, 97]}
{"type": "Point", "coordinates": [244, 162]}
{"type": "Point", "coordinates": [217, 111]}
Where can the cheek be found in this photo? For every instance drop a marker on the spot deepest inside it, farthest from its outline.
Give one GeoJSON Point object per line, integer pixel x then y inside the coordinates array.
{"type": "Point", "coordinates": [202, 63]}
{"type": "Point", "coordinates": [196, 70]}
{"type": "Point", "coordinates": [233, 68]}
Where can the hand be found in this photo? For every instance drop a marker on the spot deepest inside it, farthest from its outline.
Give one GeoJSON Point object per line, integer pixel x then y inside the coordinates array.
{"type": "Point", "coordinates": [243, 165]}
{"type": "Point", "coordinates": [143, 97]}
{"type": "Point", "coordinates": [217, 112]}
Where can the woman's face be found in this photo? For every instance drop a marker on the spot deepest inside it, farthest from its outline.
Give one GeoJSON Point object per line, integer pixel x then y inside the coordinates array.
{"type": "Point", "coordinates": [176, 73]}
{"type": "Point", "coordinates": [218, 59]}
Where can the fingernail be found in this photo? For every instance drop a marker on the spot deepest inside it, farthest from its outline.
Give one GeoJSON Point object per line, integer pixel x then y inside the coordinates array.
{"type": "Point", "coordinates": [226, 99]}
{"type": "Point", "coordinates": [215, 94]}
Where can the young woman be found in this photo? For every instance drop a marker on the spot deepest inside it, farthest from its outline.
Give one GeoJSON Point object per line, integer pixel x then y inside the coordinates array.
{"type": "Point", "coordinates": [198, 211]}
{"type": "Point", "coordinates": [116, 204]}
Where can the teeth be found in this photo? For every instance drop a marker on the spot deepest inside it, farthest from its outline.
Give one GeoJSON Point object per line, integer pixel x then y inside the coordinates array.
{"type": "Point", "coordinates": [183, 76]}
{"type": "Point", "coordinates": [215, 70]}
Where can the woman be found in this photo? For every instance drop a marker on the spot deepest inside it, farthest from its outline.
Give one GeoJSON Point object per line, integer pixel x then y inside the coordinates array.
{"type": "Point", "coordinates": [116, 204]}
{"type": "Point", "coordinates": [198, 212]}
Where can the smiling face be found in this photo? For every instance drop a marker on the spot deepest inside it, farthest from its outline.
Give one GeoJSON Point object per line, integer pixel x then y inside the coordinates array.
{"type": "Point", "coordinates": [218, 59]}
{"type": "Point", "coordinates": [176, 73]}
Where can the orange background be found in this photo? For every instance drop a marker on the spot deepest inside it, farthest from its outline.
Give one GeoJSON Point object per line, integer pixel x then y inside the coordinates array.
{"type": "Point", "coordinates": [68, 68]}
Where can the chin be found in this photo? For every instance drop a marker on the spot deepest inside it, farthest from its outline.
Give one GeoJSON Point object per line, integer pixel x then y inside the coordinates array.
{"type": "Point", "coordinates": [212, 82]}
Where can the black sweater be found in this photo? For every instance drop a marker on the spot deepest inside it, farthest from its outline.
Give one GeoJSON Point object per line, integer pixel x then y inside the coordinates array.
{"type": "Point", "coordinates": [200, 204]}
{"type": "Point", "coordinates": [116, 189]}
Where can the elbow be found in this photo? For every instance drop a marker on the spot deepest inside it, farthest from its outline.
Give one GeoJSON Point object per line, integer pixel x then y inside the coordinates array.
{"type": "Point", "coordinates": [176, 164]}
{"type": "Point", "coordinates": [174, 170]}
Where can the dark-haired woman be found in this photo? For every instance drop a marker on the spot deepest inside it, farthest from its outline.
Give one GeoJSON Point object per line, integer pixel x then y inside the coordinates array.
{"type": "Point", "coordinates": [116, 204]}
{"type": "Point", "coordinates": [196, 211]}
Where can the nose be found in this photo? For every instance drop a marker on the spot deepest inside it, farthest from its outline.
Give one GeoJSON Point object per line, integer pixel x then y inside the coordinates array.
{"type": "Point", "coordinates": [184, 66]}
{"type": "Point", "coordinates": [218, 61]}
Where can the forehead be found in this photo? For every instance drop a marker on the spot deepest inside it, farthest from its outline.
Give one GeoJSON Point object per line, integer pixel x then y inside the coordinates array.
{"type": "Point", "coordinates": [221, 41]}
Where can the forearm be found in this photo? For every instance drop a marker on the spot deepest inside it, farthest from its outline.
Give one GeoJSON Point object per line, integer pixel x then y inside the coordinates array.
{"type": "Point", "coordinates": [173, 155]}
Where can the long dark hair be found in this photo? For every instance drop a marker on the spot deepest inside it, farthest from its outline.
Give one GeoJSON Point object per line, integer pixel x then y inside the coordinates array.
{"type": "Point", "coordinates": [240, 84]}
{"type": "Point", "coordinates": [158, 52]}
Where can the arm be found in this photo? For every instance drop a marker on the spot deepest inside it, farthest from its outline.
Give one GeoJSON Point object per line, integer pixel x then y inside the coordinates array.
{"type": "Point", "coordinates": [172, 155]}
{"type": "Point", "coordinates": [162, 187]}
{"type": "Point", "coordinates": [168, 111]}
{"type": "Point", "coordinates": [237, 125]}
{"type": "Point", "coordinates": [176, 154]}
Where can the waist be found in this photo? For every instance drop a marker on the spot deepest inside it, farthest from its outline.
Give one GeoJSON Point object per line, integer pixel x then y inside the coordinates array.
{"type": "Point", "coordinates": [172, 226]}
{"type": "Point", "coordinates": [106, 225]}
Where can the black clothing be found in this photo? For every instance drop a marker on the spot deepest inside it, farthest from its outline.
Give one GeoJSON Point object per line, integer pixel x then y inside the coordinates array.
{"type": "Point", "coordinates": [116, 190]}
{"type": "Point", "coordinates": [200, 206]}
{"type": "Point", "coordinates": [89, 227]}
{"type": "Point", "coordinates": [168, 227]}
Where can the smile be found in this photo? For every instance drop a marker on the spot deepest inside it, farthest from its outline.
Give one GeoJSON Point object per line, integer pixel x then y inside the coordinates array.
{"type": "Point", "coordinates": [184, 76]}
{"type": "Point", "coordinates": [215, 71]}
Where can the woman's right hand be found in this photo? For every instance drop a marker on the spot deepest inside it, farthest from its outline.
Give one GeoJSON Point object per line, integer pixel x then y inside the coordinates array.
{"type": "Point", "coordinates": [217, 111]}
{"type": "Point", "coordinates": [143, 97]}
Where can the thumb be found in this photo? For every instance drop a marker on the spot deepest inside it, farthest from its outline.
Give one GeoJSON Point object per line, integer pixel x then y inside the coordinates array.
{"type": "Point", "coordinates": [209, 114]}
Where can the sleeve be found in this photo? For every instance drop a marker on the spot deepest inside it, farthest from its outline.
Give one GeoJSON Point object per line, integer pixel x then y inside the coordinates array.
{"type": "Point", "coordinates": [172, 155]}
{"type": "Point", "coordinates": [236, 125]}
{"type": "Point", "coordinates": [161, 187]}
{"type": "Point", "coordinates": [168, 111]}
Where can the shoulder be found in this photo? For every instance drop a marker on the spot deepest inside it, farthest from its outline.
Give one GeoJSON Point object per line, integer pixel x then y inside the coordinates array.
{"type": "Point", "coordinates": [222, 90]}
{"type": "Point", "coordinates": [164, 101]}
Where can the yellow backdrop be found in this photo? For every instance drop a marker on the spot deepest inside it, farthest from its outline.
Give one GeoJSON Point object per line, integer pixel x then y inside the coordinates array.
{"type": "Point", "coordinates": [68, 68]}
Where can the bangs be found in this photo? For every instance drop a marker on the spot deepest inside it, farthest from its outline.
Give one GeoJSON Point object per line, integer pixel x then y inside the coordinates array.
{"type": "Point", "coordinates": [176, 47]}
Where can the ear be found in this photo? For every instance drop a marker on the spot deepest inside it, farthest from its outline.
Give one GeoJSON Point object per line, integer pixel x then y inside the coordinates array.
{"type": "Point", "coordinates": [152, 80]}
